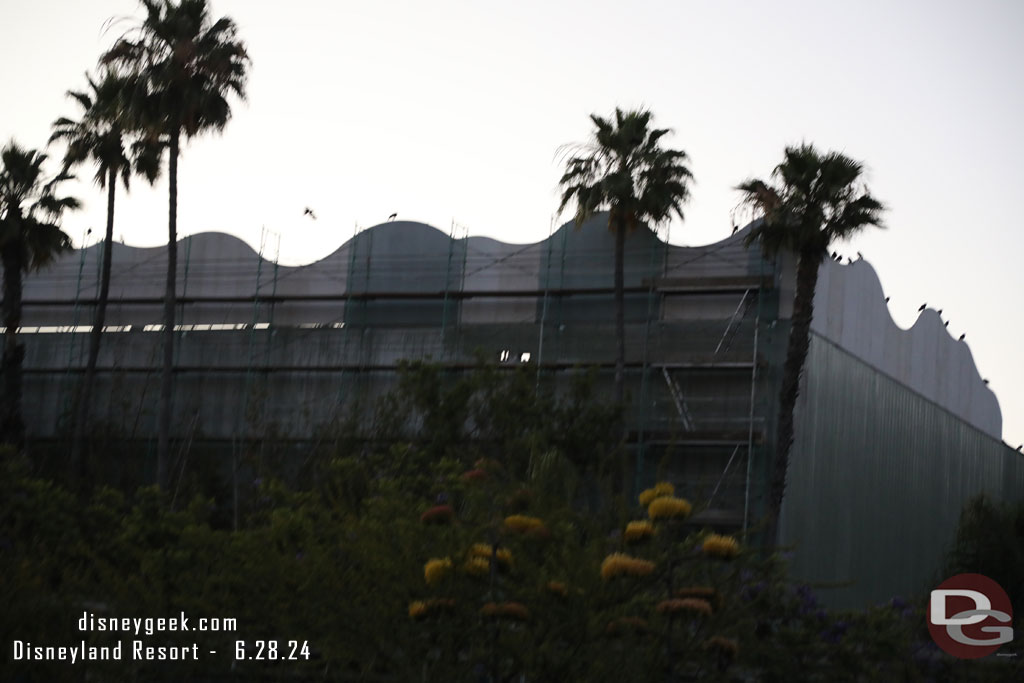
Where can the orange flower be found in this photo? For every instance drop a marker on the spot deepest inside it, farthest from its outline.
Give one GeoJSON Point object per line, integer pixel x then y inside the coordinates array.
{"type": "Point", "coordinates": [679, 605]}
{"type": "Point", "coordinates": [511, 610]}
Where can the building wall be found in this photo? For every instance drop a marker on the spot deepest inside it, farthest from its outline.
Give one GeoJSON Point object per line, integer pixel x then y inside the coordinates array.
{"type": "Point", "coordinates": [877, 478]}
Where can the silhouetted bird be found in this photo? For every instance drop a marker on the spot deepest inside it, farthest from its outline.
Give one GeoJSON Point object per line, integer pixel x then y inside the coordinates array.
{"type": "Point", "coordinates": [735, 228]}
{"type": "Point", "coordinates": [886, 299]}
{"type": "Point", "coordinates": [985, 381]}
{"type": "Point", "coordinates": [946, 324]}
{"type": "Point", "coordinates": [89, 231]}
{"type": "Point", "coordinates": [1020, 447]}
{"type": "Point", "coordinates": [860, 255]}
{"type": "Point", "coordinates": [962, 336]}
{"type": "Point", "coordinates": [392, 216]}
{"type": "Point", "coordinates": [309, 212]}
{"type": "Point", "coordinates": [923, 306]}
{"type": "Point", "coordinates": [939, 311]}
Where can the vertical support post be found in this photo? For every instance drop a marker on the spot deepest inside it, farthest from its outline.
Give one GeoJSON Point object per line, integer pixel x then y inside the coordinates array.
{"type": "Point", "coordinates": [645, 366]}
{"type": "Point", "coordinates": [447, 281]}
{"type": "Point", "coordinates": [753, 392]}
{"type": "Point", "coordinates": [544, 305]}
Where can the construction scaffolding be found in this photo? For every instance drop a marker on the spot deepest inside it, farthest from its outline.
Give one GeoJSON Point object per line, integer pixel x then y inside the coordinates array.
{"type": "Point", "coordinates": [268, 351]}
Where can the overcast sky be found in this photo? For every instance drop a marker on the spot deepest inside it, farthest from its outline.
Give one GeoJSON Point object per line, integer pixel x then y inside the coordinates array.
{"type": "Point", "coordinates": [449, 110]}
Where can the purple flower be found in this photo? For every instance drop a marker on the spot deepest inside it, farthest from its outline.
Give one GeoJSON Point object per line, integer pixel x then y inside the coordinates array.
{"type": "Point", "coordinates": [806, 596]}
{"type": "Point", "coordinates": [835, 632]}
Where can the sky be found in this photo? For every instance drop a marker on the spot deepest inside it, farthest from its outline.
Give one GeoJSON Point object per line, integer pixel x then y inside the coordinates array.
{"type": "Point", "coordinates": [454, 111]}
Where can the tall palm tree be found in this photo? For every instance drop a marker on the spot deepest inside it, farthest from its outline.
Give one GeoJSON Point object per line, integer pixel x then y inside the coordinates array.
{"type": "Point", "coordinates": [624, 170]}
{"type": "Point", "coordinates": [30, 238]}
{"type": "Point", "coordinates": [815, 200]}
{"type": "Point", "coordinates": [102, 135]}
{"type": "Point", "coordinates": [189, 65]}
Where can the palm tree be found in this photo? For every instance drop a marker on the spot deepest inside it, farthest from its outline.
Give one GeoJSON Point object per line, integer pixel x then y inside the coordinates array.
{"type": "Point", "coordinates": [101, 135]}
{"type": "Point", "coordinates": [624, 170]}
{"type": "Point", "coordinates": [30, 238]}
{"type": "Point", "coordinates": [816, 199]}
{"type": "Point", "coordinates": [188, 65]}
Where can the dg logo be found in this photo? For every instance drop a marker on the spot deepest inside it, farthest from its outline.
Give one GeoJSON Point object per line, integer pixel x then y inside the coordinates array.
{"type": "Point", "coordinates": [970, 616]}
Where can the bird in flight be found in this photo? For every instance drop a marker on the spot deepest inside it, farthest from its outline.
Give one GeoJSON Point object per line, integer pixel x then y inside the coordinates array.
{"type": "Point", "coordinates": [309, 212]}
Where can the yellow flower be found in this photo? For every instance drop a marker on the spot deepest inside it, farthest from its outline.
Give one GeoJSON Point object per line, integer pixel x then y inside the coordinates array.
{"type": "Point", "coordinates": [421, 608]}
{"type": "Point", "coordinates": [523, 524]}
{"type": "Point", "coordinates": [638, 531]}
{"type": "Point", "coordinates": [678, 605]}
{"type": "Point", "coordinates": [417, 609]}
{"type": "Point", "coordinates": [436, 569]}
{"type": "Point", "coordinates": [724, 547]}
{"type": "Point", "coordinates": [620, 564]}
{"type": "Point", "coordinates": [512, 610]}
{"type": "Point", "coordinates": [482, 550]}
{"type": "Point", "coordinates": [477, 566]}
{"type": "Point", "coordinates": [669, 508]}
{"type": "Point", "coordinates": [661, 489]}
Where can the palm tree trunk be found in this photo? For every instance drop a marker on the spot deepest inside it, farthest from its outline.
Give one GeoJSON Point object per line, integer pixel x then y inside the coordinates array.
{"type": "Point", "coordinates": [12, 424]}
{"type": "Point", "coordinates": [796, 356]}
{"type": "Point", "coordinates": [167, 376]}
{"type": "Point", "coordinates": [620, 311]}
{"type": "Point", "coordinates": [95, 336]}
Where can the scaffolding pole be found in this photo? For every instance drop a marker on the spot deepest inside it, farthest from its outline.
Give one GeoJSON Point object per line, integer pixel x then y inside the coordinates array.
{"type": "Point", "coordinates": [645, 366]}
{"type": "Point", "coordinates": [750, 428]}
{"type": "Point", "coordinates": [544, 305]}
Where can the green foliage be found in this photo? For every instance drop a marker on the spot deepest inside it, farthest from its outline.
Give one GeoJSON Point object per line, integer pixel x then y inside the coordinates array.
{"type": "Point", "coordinates": [341, 563]}
{"type": "Point", "coordinates": [990, 541]}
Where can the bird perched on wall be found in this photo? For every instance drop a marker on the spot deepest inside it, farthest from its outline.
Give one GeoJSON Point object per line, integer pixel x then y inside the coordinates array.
{"type": "Point", "coordinates": [946, 324]}
{"type": "Point", "coordinates": [886, 299]}
{"type": "Point", "coordinates": [962, 336]}
{"type": "Point", "coordinates": [985, 381]}
{"type": "Point", "coordinates": [923, 306]}
{"type": "Point", "coordinates": [392, 216]}
{"type": "Point", "coordinates": [309, 212]}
